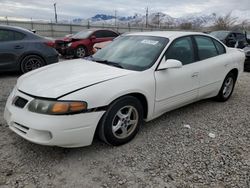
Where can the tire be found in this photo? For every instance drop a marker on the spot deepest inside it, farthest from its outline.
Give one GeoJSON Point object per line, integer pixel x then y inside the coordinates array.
{"type": "Point", "coordinates": [117, 127]}
{"type": "Point", "coordinates": [227, 88]}
{"type": "Point", "coordinates": [31, 62]}
{"type": "Point", "coordinates": [80, 52]}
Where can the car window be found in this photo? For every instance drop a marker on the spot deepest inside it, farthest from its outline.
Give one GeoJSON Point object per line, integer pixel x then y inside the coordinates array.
{"type": "Point", "coordinates": [7, 35]}
{"type": "Point", "coordinates": [99, 34]}
{"type": "Point", "coordinates": [182, 50]}
{"type": "Point", "coordinates": [110, 34]}
{"type": "Point", "coordinates": [206, 47]}
{"type": "Point", "coordinates": [240, 36]}
{"type": "Point", "coordinates": [133, 52]}
{"type": "Point", "coordinates": [220, 48]}
{"type": "Point", "coordinates": [18, 36]}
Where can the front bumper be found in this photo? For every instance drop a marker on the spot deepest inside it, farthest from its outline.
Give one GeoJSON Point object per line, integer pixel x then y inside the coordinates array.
{"type": "Point", "coordinates": [63, 131]}
{"type": "Point", "coordinates": [65, 51]}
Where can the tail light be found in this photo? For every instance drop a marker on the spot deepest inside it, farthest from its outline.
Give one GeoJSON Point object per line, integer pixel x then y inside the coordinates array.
{"type": "Point", "coordinates": [50, 44]}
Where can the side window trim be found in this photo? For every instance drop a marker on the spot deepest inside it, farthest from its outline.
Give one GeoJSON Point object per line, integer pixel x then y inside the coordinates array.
{"type": "Point", "coordinates": [217, 50]}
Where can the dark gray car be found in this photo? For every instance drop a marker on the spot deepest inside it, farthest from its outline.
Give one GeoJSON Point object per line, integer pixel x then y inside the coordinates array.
{"type": "Point", "coordinates": [22, 50]}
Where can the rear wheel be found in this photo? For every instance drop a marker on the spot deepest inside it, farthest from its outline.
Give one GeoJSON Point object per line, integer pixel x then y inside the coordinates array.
{"type": "Point", "coordinates": [80, 52]}
{"type": "Point", "coordinates": [227, 88]}
{"type": "Point", "coordinates": [31, 62]}
{"type": "Point", "coordinates": [122, 121]}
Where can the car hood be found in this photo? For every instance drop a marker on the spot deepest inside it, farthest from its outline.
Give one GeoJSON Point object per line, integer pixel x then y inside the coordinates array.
{"type": "Point", "coordinates": [57, 80]}
{"type": "Point", "coordinates": [68, 39]}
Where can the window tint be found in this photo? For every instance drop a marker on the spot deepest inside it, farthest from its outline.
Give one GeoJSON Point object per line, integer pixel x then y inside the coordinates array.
{"type": "Point", "coordinates": [7, 35]}
{"type": "Point", "coordinates": [19, 36]}
{"type": "Point", "coordinates": [206, 48]}
{"type": "Point", "coordinates": [182, 50]}
{"type": "Point", "coordinates": [99, 34]}
{"type": "Point", "coordinates": [240, 36]}
{"type": "Point", "coordinates": [220, 48]}
{"type": "Point", "coordinates": [110, 34]}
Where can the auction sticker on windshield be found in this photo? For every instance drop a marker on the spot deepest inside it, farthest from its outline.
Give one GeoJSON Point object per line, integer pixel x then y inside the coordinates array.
{"type": "Point", "coordinates": [151, 42]}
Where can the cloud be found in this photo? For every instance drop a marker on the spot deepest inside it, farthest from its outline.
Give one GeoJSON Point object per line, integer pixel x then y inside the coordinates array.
{"type": "Point", "coordinates": [84, 9]}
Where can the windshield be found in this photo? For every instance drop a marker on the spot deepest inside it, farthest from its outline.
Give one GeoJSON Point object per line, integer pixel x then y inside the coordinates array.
{"type": "Point", "coordinates": [221, 35]}
{"type": "Point", "coordinates": [132, 52]}
{"type": "Point", "coordinates": [82, 34]}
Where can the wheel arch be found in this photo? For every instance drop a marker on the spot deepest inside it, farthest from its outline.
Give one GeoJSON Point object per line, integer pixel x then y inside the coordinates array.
{"type": "Point", "coordinates": [235, 71]}
{"type": "Point", "coordinates": [140, 97]}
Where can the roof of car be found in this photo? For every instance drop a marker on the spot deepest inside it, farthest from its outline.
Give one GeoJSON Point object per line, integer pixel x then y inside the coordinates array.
{"type": "Point", "coordinates": [167, 34]}
{"type": "Point", "coordinates": [14, 28]}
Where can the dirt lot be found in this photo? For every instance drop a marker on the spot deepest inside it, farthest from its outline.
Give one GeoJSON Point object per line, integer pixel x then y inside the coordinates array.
{"type": "Point", "coordinates": [164, 154]}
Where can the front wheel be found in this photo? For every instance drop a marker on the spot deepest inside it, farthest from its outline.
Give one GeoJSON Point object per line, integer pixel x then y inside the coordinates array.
{"type": "Point", "coordinates": [122, 121]}
{"type": "Point", "coordinates": [227, 88]}
{"type": "Point", "coordinates": [80, 52]}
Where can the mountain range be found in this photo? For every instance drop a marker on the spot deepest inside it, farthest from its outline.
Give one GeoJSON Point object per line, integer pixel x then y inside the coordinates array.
{"type": "Point", "coordinates": [162, 19]}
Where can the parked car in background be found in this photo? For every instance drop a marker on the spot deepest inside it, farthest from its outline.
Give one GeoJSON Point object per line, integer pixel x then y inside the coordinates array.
{"type": "Point", "coordinates": [247, 62]}
{"type": "Point", "coordinates": [99, 46]}
{"type": "Point", "coordinates": [235, 40]}
{"type": "Point", "coordinates": [22, 50]}
{"type": "Point", "coordinates": [81, 44]}
{"type": "Point", "coordinates": [137, 77]}
{"type": "Point", "coordinates": [231, 38]}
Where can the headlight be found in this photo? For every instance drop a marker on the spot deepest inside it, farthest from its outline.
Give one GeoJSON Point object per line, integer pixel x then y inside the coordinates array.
{"type": "Point", "coordinates": [57, 107]}
{"type": "Point", "coordinates": [69, 44]}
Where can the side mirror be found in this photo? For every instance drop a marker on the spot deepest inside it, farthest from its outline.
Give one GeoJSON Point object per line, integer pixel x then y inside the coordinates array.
{"type": "Point", "coordinates": [93, 37]}
{"type": "Point", "coordinates": [170, 64]}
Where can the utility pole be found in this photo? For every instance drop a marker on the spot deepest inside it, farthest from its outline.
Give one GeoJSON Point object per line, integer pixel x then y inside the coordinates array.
{"type": "Point", "coordinates": [115, 17]}
{"type": "Point", "coordinates": [147, 17]}
{"type": "Point", "coordinates": [55, 12]}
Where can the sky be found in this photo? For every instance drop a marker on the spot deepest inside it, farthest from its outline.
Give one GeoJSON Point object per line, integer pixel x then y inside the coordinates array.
{"type": "Point", "coordinates": [70, 9]}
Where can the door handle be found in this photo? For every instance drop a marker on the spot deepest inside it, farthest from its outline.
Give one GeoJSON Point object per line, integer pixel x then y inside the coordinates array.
{"type": "Point", "coordinates": [196, 74]}
{"type": "Point", "coordinates": [226, 64]}
{"type": "Point", "coordinates": [18, 47]}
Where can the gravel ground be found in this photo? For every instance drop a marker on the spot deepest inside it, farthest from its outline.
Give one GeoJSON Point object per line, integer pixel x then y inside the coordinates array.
{"type": "Point", "coordinates": [166, 152]}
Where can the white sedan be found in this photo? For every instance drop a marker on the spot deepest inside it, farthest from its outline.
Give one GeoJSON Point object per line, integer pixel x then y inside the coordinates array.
{"type": "Point", "coordinates": [137, 77]}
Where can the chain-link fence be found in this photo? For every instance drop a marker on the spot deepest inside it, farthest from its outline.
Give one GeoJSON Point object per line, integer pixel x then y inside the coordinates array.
{"type": "Point", "coordinates": [59, 30]}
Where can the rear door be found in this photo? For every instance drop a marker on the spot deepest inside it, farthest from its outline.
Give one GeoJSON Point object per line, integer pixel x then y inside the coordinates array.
{"type": "Point", "coordinates": [10, 48]}
{"type": "Point", "coordinates": [213, 65]}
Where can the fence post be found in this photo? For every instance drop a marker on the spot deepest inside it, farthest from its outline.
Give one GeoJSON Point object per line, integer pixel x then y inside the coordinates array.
{"type": "Point", "coordinates": [70, 28]}
{"type": "Point", "coordinates": [52, 30]}
{"type": "Point", "coordinates": [88, 24]}
{"type": "Point", "coordinates": [32, 25]}
{"type": "Point", "coordinates": [7, 21]}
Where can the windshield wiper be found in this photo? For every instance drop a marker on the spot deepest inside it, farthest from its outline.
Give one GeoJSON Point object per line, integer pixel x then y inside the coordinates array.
{"type": "Point", "coordinates": [108, 63]}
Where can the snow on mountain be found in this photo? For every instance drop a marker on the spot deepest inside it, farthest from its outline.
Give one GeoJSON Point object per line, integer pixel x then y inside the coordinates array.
{"type": "Point", "coordinates": [197, 19]}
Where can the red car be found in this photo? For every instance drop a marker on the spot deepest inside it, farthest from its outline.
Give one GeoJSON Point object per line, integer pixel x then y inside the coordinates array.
{"type": "Point", "coordinates": [81, 44]}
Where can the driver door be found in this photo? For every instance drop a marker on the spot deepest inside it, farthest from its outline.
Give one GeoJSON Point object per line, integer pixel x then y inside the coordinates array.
{"type": "Point", "coordinates": [176, 87]}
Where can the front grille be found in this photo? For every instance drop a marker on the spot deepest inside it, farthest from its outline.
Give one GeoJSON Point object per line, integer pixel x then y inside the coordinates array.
{"type": "Point", "coordinates": [21, 128]}
{"type": "Point", "coordinates": [60, 44]}
{"type": "Point", "coordinates": [20, 102]}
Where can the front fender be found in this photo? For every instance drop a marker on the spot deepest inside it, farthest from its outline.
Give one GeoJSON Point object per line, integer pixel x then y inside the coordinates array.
{"type": "Point", "coordinates": [106, 92]}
